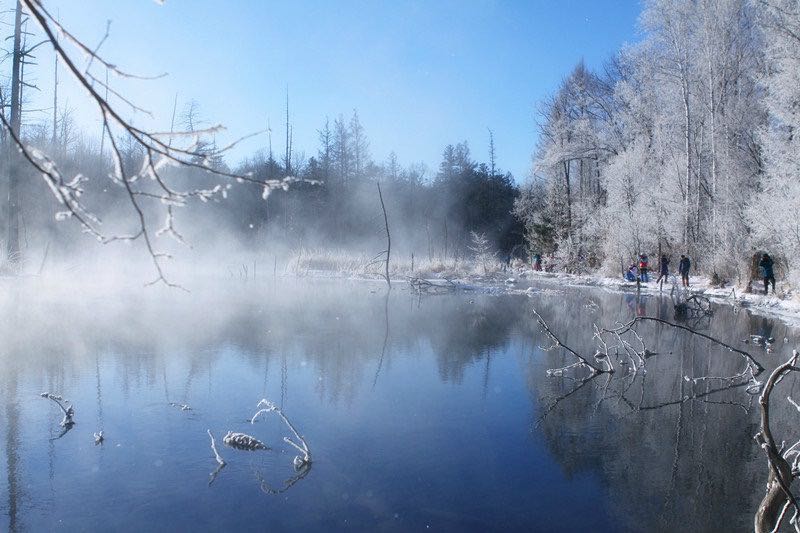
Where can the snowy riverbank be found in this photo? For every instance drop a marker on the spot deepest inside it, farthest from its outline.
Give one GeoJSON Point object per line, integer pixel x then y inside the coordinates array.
{"type": "Point", "coordinates": [522, 281]}
{"type": "Point", "coordinates": [785, 305]}
{"type": "Point", "coordinates": [469, 275]}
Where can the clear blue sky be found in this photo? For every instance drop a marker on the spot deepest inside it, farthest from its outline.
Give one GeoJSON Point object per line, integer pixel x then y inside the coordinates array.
{"type": "Point", "coordinates": [421, 74]}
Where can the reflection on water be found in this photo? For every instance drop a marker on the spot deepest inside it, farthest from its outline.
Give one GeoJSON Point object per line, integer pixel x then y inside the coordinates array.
{"type": "Point", "coordinates": [419, 412]}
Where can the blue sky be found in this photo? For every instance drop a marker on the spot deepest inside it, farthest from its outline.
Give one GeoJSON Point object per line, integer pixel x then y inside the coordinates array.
{"type": "Point", "coordinates": [421, 74]}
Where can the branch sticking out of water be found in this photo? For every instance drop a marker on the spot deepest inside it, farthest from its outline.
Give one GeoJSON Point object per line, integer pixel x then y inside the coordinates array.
{"type": "Point", "coordinates": [220, 461]}
{"type": "Point", "coordinates": [69, 412]}
{"type": "Point", "coordinates": [299, 462]}
{"type": "Point", "coordinates": [557, 342]}
{"type": "Point", "coordinates": [779, 496]}
{"type": "Point", "coordinates": [217, 456]}
{"type": "Point", "coordinates": [630, 325]}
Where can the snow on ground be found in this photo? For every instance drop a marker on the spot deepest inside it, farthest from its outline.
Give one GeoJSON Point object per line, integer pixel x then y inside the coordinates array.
{"type": "Point", "coordinates": [491, 277]}
{"type": "Point", "coordinates": [523, 280]}
{"type": "Point", "coordinates": [785, 305]}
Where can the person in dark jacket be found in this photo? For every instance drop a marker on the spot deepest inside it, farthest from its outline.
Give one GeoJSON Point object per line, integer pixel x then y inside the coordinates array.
{"type": "Point", "coordinates": [683, 268]}
{"type": "Point", "coordinates": [664, 272]}
{"type": "Point", "coordinates": [767, 266]}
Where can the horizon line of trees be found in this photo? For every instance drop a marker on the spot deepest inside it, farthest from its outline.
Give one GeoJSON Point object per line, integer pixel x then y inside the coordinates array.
{"type": "Point", "coordinates": [334, 205]}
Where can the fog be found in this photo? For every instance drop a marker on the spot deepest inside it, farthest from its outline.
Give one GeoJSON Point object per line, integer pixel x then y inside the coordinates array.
{"type": "Point", "coordinates": [162, 278]}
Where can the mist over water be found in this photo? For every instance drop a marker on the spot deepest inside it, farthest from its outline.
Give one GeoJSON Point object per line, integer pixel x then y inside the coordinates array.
{"type": "Point", "coordinates": [419, 411]}
{"type": "Point", "coordinates": [196, 333]}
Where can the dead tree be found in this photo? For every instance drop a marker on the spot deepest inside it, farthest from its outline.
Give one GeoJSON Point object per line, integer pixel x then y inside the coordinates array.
{"type": "Point", "coordinates": [12, 159]}
{"type": "Point", "coordinates": [388, 236]}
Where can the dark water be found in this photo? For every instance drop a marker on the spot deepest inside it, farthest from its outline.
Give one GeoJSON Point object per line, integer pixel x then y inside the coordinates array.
{"type": "Point", "coordinates": [433, 413]}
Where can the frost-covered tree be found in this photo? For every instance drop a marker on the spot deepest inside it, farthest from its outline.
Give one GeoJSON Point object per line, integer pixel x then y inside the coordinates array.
{"type": "Point", "coordinates": [662, 152]}
{"type": "Point", "coordinates": [771, 213]}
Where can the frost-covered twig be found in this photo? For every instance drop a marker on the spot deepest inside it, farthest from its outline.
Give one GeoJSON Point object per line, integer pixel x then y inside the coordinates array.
{"type": "Point", "coordinates": [629, 326]}
{"type": "Point", "coordinates": [794, 403]}
{"type": "Point", "coordinates": [69, 411]}
{"type": "Point", "coordinates": [220, 461]}
{"type": "Point", "coordinates": [157, 147]}
{"type": "Point", "coordinates": [302, 447]}
{"type": "Point", "coordinates": [779, 493]}
{"type": "Point", "coordinates": [217, 456]}
{"type": "Point", "coordinates": [557, 342]}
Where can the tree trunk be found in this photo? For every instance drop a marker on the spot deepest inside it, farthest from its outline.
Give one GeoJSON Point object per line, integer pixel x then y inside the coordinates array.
{"type": "Point", "coordinates": [569, 200]}
{"type": "Point", "coordinates": [687, 201]}
{"type": "Point", "coordinates": [12, 243]}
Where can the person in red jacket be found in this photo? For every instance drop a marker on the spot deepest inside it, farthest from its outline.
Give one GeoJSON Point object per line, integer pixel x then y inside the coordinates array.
{"type": "Point", "coordinates": [643, 268]}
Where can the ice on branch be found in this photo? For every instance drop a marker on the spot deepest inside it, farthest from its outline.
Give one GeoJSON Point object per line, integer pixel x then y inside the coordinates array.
{"type": "Point", "coordinates": [69, 412]}
{"type": "Point", "coordinates": [299, 461]}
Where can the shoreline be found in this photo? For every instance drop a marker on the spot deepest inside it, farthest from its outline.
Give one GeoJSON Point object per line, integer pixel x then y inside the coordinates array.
{"type": "Point", "coordinates": [524, 281]}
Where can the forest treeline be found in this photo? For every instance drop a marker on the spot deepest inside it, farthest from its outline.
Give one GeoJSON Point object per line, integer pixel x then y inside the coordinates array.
{"type": "Point", "coordinates": [683, 143]}
{"type": "Point", "coordinates": [334, 206]}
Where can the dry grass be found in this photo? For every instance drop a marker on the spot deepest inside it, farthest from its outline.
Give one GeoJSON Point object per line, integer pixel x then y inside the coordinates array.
{"type": "Point", "coordinates": [309, 261]}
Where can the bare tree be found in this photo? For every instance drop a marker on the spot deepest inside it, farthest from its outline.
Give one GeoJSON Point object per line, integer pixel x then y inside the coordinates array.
{"type": "Point", "coordinates": [12, 242]}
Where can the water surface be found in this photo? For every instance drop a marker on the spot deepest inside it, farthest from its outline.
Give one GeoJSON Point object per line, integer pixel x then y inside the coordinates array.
{"type": "Point", "coordinates": [433, 412]}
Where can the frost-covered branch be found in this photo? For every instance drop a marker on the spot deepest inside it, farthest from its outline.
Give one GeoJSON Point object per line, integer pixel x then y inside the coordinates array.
{"type": "Point", "coordinates": [629, 326]}
{"type": "Point", "coordinates": [302, 447]}
{"type": "Point", "coordinates": [772, 508]}
{"type": "Point", "coordinates": [220, 461]}
{"type": "Point", "coordinates": [160, 151]}
{"type": "Point", "coordinates": [217, 456]}
{"type": "Point", "coordinates": [557, 343]}
{"type": "Point", "coordinates": [69, 411]}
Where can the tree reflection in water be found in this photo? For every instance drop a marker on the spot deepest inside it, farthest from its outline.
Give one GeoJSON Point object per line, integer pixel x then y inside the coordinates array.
{"type": "Point", "coordinates": [680, 393]}
{"type": "Point", "coordinates": [660, 449]}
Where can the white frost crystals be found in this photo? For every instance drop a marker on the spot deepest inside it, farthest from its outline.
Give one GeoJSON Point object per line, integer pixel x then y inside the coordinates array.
{"type": "Point", "coordinates": [298, 462]}
{"type": "Point", "coordinates": [243, 441]}
{"type": "Point", "coordinates": [69, 412]}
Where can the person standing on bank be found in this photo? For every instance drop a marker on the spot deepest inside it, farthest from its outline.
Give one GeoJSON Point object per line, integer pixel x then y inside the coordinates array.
{"type": "Point", "coordinates": [767, 272]}
{"type": "Point", "coordinates": [683, 269]}
{"type": "Point", "coordinates": [643, 269]}
{"type": "Point", "coordinates": [664, 271]}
